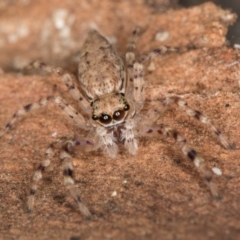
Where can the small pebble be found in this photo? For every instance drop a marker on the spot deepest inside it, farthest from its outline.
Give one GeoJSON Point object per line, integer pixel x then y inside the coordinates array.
{"type": "Point", "coordinates": [237, 46]}
{"type": "Point", "coordinates": [151, 67]}
{"type": "Point", "coordinates": [54, 134]}
{"type": "Point", "coordinates": [161, 36]}
{"type": "Point", "coordinates": [217, 171]}
{"type": "Point", "coordinates": [114, 194]}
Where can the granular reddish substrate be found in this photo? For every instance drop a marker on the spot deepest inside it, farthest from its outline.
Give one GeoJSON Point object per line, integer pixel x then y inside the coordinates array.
{"type": "Point", "coordinates": [156, 194]}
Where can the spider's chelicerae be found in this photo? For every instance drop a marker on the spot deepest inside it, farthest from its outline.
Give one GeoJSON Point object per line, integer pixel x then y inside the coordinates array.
{"type": "Point", "coordinates": [112, 96]}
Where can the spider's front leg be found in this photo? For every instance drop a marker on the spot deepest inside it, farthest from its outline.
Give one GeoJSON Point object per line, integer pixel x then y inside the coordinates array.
{"type": "Point", "coordinates": [130, 60]}
{"type": "Point", "coordinates": [71, 113]}
{"type": "Point", "coordinates": [128, 131]}
{"type": "Point", "coordinates": [68, 80]}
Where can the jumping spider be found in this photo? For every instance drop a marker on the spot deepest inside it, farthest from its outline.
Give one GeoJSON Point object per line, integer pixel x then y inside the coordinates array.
{"type": "Point", "coordinates": [113, 96]}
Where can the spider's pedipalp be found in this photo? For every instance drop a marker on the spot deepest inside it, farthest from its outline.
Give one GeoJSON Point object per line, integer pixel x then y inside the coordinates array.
{"type": "Point", "coordinates": [107, 142]}
{"type": "Point", "coordinates": [128, 136]}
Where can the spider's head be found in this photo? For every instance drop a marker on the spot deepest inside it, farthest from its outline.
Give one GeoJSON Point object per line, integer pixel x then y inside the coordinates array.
{"type": "Point", "coordinates": [111, 109]}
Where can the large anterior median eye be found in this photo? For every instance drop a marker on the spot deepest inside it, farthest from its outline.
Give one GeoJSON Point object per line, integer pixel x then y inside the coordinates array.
{"type": "Point", "coordinates": [105, 119]}
{"type": "Point", "coordinates": [118, 115]}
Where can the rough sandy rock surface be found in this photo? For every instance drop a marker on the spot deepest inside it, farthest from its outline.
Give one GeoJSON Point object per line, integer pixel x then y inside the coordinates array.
{"type": "Point", "coordinates": [156, 194]}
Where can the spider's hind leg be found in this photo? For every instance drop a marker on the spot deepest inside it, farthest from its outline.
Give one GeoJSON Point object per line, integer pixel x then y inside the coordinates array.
{"type": "Point", "coordinates": [158, 109]}
{"type": "Point", "coordinates": [203, 119]}
{"type": "Point", "coordinates": [189, 152]}
{"type": "Point", "coordinates": [37, 176]}
{"type": "Point", "coordinates": [68, 174]}
{"type": "Point", "coordinates": [69, 181]}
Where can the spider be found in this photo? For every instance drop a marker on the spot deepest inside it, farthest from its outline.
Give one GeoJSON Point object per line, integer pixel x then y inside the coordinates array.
{"type": "Point", "coordinates": [110, 103]}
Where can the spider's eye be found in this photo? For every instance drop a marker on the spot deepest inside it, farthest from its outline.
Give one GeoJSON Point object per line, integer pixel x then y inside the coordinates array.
{"type": "Point", "coordinates": [105, 119]}
{"type": "Point", "coordinates": [126, 107]}
{"type": "Point", "coordinates": [94, 117]}
{"type": "Point", "coordinates": [118, 115]}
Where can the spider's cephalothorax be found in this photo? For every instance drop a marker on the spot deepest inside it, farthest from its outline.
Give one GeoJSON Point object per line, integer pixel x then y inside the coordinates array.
{"type": "Point", "coordinates": [112, 97]}
{"type": "Point", "coordinates": [102, 77]}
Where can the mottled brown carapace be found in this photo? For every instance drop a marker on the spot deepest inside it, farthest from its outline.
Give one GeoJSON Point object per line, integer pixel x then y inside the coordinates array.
{"type": "Point", "coordinates": [110, 104]}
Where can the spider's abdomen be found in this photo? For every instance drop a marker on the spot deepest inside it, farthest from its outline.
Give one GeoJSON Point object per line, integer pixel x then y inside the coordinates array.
{"type": "Point", "coordinates": [101, 70]}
